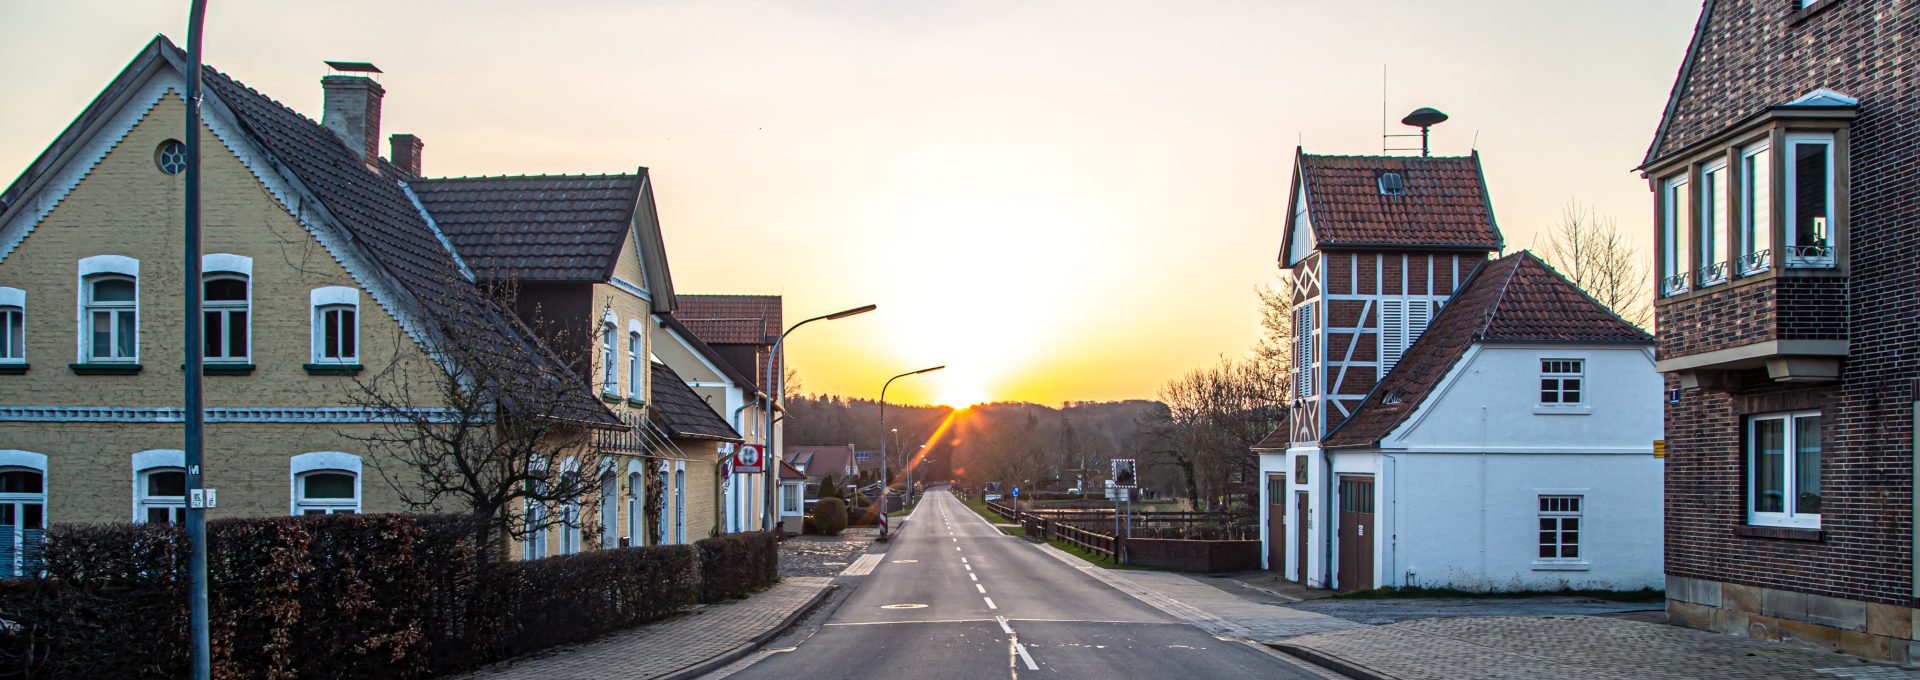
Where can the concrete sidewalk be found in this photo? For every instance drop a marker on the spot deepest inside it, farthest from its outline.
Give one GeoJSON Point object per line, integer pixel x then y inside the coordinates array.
{"type": "Point", "coordinates": [681, 647]}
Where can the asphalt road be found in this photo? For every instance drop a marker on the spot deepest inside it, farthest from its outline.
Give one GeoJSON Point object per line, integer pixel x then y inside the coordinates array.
{"type": "Point", "coordinates": [953, 598]}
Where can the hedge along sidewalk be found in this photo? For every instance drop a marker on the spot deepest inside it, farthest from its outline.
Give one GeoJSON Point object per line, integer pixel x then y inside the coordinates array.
{"type": "Point", "coordinates": [686, 646]}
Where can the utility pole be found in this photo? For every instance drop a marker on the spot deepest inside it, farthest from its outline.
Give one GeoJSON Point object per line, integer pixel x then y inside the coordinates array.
{"type": "Point", "coordinates": [774, 395]}
{"type": "Point", "coordinates": [200, 650]}
{"type": "Point", "coordinates": [886, 483]}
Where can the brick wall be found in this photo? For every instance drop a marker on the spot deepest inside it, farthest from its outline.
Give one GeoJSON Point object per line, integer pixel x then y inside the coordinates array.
{"type": "Point", "coordinates": [1759, 52]}
{"type": "Point", "coordinates": [1209, 557]}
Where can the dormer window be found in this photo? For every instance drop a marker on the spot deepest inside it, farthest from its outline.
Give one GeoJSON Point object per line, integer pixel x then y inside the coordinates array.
{"type": "Point", "coordinates": [1392, 184]}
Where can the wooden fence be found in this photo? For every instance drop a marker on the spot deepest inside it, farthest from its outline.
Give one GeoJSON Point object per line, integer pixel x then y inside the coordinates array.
{"type": "Point", "coordinates": [1094, 531]}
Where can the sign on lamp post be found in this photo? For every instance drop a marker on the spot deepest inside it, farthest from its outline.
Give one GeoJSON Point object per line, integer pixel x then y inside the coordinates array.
{"type": "Point", "coordinates": [749, 459]}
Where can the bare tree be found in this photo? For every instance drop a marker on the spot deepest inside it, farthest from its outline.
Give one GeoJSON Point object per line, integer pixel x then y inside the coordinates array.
{"type": "Point", "coordinates": [1273, 352]}
{"type": "Point", "coordinates": [1214, 416]}
{"type": "Point", "coordinates": [1589, 249]}
{"type": "Point", "coordinates": [497, 425]}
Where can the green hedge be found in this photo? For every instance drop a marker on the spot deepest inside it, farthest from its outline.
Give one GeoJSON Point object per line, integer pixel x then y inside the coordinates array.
{"type": "Point", "coordinates": [829, 517]}
{"type": "Point", "coordinates": [343, 596]}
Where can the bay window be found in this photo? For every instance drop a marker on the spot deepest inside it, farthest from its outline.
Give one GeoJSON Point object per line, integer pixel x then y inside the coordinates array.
{"type": "Point", "coordinates": [1756, 209]}
{"type": "Point", "coordinates": [1673, 241]}
{"type": "Point", "coordinates": [1810, 199]}
{"type": "Point", "coordinates": [1713, 223]}
{"type": "Point", "coordinates": [1783, 469]}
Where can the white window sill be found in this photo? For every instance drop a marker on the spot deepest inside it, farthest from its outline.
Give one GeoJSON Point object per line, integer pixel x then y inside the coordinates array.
{"type": "Point", "coordinates": [1543, 565]}
{"type": "Point", "coordinates": [1563, 410]}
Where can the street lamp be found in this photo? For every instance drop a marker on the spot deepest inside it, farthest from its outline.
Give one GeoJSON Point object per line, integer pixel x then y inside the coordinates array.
{"type": "Point", "coordinates": [774, 395]}
{"type": "Point", "coordinates": [886, 483]}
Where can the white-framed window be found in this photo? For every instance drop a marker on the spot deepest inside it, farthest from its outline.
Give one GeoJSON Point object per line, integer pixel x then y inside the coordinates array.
{"type": "Point", "coordinates": [161, 495]}
{"type": "Point", "coordinates": [662, 506]}
{"type": "Point", "coordinates": [1715, 251]}
{"type": "Point", "coordinates": [636, 353]}
{"type": "Point", "coordinates": [636, 506]}
{"type": "Point", "coordinates": [1303, 346]}
{"type": "Point", "coordinates": [609, 510]}
{"type": "Point", "coordinates": [226, 302]}
{"type": "Point", "coordinates": [110, 309]}
{"type": "Point", "coordinates": [570, 515]}
{"type": "Point", "coordinates": [1401, 323]}
{"type": "Point", "coordinates": [1560, 528]}
{"type": "Point", "coordinates": [1810, 199]}
{"type": "Point", "coordinates": [23, 512]}
{"type": "Point", "coordinates": [680, 503]}
{"type": "Point", "coordinates": [1756, 208]}
{"type": "Point", "coordinates": [536, 541]}
{"type": "Point", "coordinates": [790, 498]}
{"type": "Point", "coordinates": [13, 326]}
{"type": "Point", "coordinates": [609, 357]}
{"type": "Point", "coordinates": [1562, 381]}
{"type": "Point", "coordinates": [325, 483]}
{"type": "Point", "coordinates": [336, 325]}
{"type": "Point", "coordinates": [1783, 469]}
{"type": "Point", "coordinates": [1673, 232]}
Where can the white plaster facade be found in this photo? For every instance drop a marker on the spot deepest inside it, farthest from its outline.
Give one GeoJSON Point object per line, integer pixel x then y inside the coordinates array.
{"type": "Point", "coordinates": [1458, 484]}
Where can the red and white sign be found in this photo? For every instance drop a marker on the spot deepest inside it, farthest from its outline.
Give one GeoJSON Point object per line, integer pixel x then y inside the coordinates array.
{"type": "Point", "coordinates": [749, 458]}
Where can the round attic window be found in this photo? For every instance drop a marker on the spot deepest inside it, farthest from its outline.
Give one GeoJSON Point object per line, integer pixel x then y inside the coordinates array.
{"type": "Point", "coordinates": [171, 157]}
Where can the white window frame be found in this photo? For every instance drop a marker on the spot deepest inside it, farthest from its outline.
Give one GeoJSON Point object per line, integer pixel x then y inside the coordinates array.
{"type": "Point", "coordinates": [16, 460]}
{"type": "Point", "coordinates": [1794, 258]}
{"type": "Point", "coordinates": [636, 354]}
{"type": "Point", "coordinates": [636, 504]}
{"type": "Point", "coordinates": [1713, 230]}
{"type": "Point", "coordinates": [610, 357]}
{"type": "Point", "coordinates": [1756, 208]}
{"type": "Point", "coordinates": [1554, 369]}
{"type": "Point", "coordinates": [227, 266]}
{"type": "Point", "coordinates": [13, 302]}
{"type": "Point", "coordinates": [1557, 509]}
{"type": "Point", "coordinates": [1673, 252]}
{"type": "Point", "coordinates": [301, 466]}
{"type": "Point", "coordinates": [791, 497]}
{"type": "Point", "coordinates": [1790, 517]}
{"type": "Point", "coordinates": [148, 463]}
{"type": "Point", "coordinates": [93, 269]}
{"type": "Point", "coordinates": [328, 299]}
{"type": "Point", "coordinates": [609, 510]}
{"type": "Point", "coordinates": [680, 502]}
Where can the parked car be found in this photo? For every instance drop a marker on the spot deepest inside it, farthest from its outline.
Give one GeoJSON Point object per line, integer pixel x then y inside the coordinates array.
{"type": "Point", "coordinates": [991, 497]}
{"type": "Point", "coordinates": [1074, 490]}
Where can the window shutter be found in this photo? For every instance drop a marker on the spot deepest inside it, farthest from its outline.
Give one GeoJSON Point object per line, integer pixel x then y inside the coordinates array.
{"type": "Point", "coordinates": [1393, 333]}
{"type": "Point", "coordinates": [1303, 351]}
{"type": "Point", "coordinates": [1419, 313]}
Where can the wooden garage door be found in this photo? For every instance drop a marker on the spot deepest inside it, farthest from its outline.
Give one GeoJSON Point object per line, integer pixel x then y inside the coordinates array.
{"type": "Point", "coordinates": [1277, 523]}
{"type": "Point", "coordinates": [1356, 532]}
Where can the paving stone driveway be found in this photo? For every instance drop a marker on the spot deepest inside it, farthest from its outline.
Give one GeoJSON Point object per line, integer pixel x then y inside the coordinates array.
{"type": "Point", "coordinates": [659, 649]}
{"type": "Point", "coordinates": [1515, 647]}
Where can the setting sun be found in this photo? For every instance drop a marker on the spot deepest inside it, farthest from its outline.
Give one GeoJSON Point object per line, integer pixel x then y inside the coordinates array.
{"type": "Point", "coordinates": [961, 393]}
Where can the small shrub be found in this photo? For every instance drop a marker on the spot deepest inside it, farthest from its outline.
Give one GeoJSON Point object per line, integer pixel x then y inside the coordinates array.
{"type": "Point", "coordinates": [829, 517]}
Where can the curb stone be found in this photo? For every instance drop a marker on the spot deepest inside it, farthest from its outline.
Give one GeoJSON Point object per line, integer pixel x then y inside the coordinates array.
{"type": "Point", "coordinates": [737, 653]}
{"type": "Point", "coordinates": [1328, 661]}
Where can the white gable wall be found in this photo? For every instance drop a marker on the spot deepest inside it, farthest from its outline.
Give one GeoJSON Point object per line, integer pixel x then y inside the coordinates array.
{"type": "Point", "coordinates": [1491, 401]}
{"type": "Point", "coordinates": [1302, 228]}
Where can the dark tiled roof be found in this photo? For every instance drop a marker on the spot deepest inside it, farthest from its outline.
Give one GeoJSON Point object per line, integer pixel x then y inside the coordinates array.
{"type": "Point", "coordinates": [1517, 298]}
{"type": "Point", "coordinates": [822, 460]}
{"type": "Point", "coordinates": [1444, 203]}
{"type": "Point", "coordinates": [682, 412]}
{"type": "Point", "coordinates": [383, 223]}
{"type": "Point", "coordinates": [537, 228]}
{"type": "Point", "coordinates": [707, 352]}
{"type": "Point", "coordinates": [738, 311]}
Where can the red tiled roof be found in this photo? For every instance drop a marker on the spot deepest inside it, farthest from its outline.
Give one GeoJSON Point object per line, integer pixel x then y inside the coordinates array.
{"type": "Point", "coordinates": [725, 331]}
{"type": "Point", "coordinates": [1517, 298]}
{"type": "Point", "coordinates": [822, 460]}
{"type": "Point", "coordinates": [695, 309]}
{"type": "Point", "coordinates": [1278, 440]}
{"type": "Point", "coordinates": [1444, 203]}
{"type": "Point", "coordinates": [787, 471]}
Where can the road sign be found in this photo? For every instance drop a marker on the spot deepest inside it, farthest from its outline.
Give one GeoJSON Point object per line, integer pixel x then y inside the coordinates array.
{"type": "Point", "coordinates": [1123, 477]}
{"type": "Point", "coordinates": [748, 458]}
{"type": "Point", "coordinates": [1016, 492]}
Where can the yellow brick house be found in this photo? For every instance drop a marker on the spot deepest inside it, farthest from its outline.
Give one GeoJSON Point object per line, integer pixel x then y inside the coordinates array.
{"type": "Point", "coordinates": [323, 264]}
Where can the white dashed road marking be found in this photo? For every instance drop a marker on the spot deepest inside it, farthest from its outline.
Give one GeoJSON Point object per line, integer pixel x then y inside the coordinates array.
{"type": "Point", "coordinates": [1022, 649]}
{"type": "Point", "coordinates": [981, 588]}
{"type": "Point", "coordinates": [990, 604]}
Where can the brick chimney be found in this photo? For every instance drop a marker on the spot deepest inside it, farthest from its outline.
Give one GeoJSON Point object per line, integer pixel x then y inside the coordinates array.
{"type": "Point", "coordinates": [406, 152]}
{"type": "Point", "coordinates": [353, 113]}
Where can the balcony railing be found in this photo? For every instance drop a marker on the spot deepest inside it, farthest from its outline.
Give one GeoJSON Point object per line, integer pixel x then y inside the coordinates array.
{"type": "Point", "coordinates": [1811, 255]}
{"type": "Point", "coordinates": [1676, 284]}
{"type": "Point", "coordinates": [1711, 274]}
{"type": "Point", "coordinates": [1756, 262]}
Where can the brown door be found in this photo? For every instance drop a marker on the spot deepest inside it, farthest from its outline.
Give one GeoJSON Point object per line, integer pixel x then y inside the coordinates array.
{"type": "Point", "coordinates": [1305, 520]}
{"type": "Point", "coordinates": [1277, 523]}
{"type": "Point", "coordinates": [1356, 533]}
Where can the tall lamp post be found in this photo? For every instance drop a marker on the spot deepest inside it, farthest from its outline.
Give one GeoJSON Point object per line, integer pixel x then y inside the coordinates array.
{"type": "Point", "coordinates": [200, 655]}
{"type": "Point", "coordinates": [774, 395]}
{"type": "Point", "coordinates": [886, 483]}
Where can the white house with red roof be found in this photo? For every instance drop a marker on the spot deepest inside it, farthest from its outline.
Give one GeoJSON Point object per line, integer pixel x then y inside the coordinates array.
{"type": "Point", "coordinates": [1457, 421]}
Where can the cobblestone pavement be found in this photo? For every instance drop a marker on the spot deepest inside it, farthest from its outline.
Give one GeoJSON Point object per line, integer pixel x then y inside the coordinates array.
{"type": "Point", "coordinates": [824, 555]}
{"type": "Point", "coordinates": [659, 649]}
{"type": "Point", "coordinates": [1572, 647]}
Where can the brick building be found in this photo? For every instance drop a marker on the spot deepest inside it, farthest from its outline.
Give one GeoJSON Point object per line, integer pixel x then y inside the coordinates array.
{"type": "Point", "coordinates": [1783, 175]}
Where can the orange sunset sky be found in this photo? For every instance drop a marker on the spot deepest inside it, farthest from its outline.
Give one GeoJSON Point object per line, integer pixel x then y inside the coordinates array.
{"type": "Point", "coordinates": [1058, 200]}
